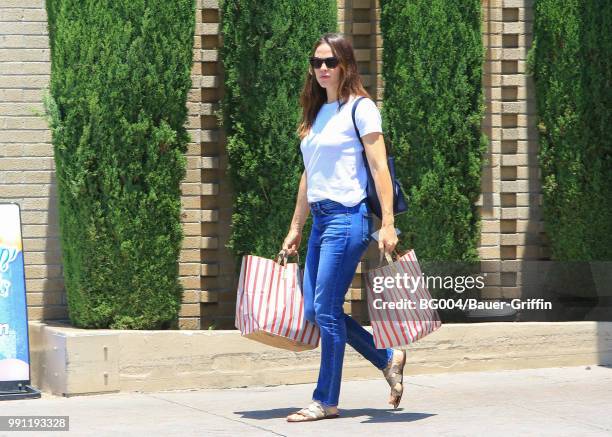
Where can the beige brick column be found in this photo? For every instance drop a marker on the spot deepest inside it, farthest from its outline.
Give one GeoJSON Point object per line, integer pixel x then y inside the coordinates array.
{"type": "Point", "coordinates": [191, 189]}
{"type": "Point", "coordinates": [358, 20]}
{"type": "Point", "coordinates": [511, 192]}
{"type": "Point", "coordinates": [218, 278]}
{"type": "Point", "coordinates": [27, 175]}
{"type": "Point", "coordinates": [206, 265]}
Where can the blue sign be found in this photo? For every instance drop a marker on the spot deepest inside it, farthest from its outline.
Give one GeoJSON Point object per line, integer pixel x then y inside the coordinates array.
{"type": "Point", "coordinates": [14, 348]}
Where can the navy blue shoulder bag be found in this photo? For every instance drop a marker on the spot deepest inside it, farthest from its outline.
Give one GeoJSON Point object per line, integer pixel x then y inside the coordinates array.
{"type": "Point", "coordinates": [399, 201]}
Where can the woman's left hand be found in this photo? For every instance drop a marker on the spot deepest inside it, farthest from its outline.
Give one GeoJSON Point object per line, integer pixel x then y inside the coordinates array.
{"type": "Point", "coordinates": [387, 238]}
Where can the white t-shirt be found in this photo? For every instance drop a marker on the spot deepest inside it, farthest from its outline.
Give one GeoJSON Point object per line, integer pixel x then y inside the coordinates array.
{"type": "Point", "coordinates": [333, 154]}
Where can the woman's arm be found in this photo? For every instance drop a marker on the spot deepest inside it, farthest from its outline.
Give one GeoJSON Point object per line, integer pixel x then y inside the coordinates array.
{"type": "Point", "coordinates": [376, 154]}
{"type": "Point", "coordinates": [294, 236]}
{"type": "Point", "coordinates": [301, 206]}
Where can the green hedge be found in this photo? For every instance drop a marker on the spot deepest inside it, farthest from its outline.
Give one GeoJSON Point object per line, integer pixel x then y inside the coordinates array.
{"type": "Point", "coordinates": [571, 61]}
{"type": "Point", "coordinates": [432, 113]}
{"type": "Point", "coordinates": [120, 73]}
{"type": "Point", "coordinates": [265, 52]}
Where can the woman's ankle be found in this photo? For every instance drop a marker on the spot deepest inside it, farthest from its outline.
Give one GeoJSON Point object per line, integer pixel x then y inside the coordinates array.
{"type": "Point", "coordinates": [327, 408]}
{"type": "Point", "coordinates": [390, 359]}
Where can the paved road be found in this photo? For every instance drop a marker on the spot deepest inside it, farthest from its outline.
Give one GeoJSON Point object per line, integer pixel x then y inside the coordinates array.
{"type": "Point", "coordinates": [564, 401]}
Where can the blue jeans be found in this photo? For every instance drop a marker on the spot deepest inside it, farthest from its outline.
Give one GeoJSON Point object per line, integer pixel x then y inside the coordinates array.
{"type": "Point", "coordinates": [339, 237]}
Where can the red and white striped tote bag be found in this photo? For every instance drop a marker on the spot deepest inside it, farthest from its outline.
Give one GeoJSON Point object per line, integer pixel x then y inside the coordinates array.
{"type": "Point", "coordinates": [399, 311]}
{"type": "Point", "coordinates": [270, 306]}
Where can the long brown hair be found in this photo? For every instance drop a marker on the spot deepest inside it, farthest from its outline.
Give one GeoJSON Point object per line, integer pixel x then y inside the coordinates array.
{"type": "Point", "coordinates": [313, 95]}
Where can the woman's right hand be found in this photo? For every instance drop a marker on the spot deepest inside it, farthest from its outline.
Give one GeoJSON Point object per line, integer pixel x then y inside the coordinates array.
{"type": "Point", "coordinates": [292, 242]}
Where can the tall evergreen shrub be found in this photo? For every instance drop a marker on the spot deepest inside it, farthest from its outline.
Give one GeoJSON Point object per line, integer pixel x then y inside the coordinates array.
{"type": "Point", "coordinates": [571, 61]}
{"type": "Point", "coordinates": [120, 73]}
{"type": "Point", "coordinates": [265, 52]}
{"type": "Point", "coordinates": [432, 112]}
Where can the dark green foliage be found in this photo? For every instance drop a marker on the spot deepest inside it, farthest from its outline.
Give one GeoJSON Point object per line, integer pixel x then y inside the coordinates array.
{"type": "Point", "coordinates": [432, 112]}
{"type": "Point", "coordinates": [571, 61]}
{"type": "Point", "coordinates": [265, 52]}
{"type": "Point", "coordinates": [119, 80]}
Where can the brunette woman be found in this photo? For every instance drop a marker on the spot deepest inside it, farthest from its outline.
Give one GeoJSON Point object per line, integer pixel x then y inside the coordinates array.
{"type": "Point", "coordinates": [333, 189]}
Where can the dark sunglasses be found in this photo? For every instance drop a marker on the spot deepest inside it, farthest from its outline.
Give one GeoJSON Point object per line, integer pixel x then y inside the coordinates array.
{"type": "Point", "coordinates": [331, 62]}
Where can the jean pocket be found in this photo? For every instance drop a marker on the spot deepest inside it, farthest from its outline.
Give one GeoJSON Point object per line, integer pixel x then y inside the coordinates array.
{"type": "Point", "coordinates": [332, 208]}
{"type": "Point", "coordinates": [326, 210]}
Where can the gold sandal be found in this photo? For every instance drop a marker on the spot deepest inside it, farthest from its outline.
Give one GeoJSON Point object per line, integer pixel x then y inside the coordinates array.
{"type": "Point", "coordinates": [314, 411]}
{"type": "Point", "coordinates": [394, 374]}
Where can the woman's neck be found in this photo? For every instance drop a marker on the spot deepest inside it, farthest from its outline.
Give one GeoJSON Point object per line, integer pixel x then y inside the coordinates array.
{"type": "Point", "coordinates": [332, 95]}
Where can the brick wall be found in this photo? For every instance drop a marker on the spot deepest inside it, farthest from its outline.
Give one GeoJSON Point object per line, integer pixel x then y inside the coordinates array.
{"type": "Point", "coordinates": [26, 155]}
{"type": "Point", "coordinates": [509, 204]}
{"type": "Point", "coordinates": [218, 281]}
{"type": "Point", "coordinates": [193, 188]}
{"type": "Point", "coordinates": [358, 20]}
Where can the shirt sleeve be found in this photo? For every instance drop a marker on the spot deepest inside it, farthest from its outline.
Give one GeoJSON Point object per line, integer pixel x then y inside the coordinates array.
{"type": "Point", "coordinates": [367, 117]}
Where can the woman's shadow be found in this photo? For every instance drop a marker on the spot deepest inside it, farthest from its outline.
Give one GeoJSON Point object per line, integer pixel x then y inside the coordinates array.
{"type": "Point", "coordinates": [374, 415]}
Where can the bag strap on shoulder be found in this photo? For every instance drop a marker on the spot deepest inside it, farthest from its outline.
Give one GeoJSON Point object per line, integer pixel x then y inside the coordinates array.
{"type": "Point", "coordinates": [353, 111]}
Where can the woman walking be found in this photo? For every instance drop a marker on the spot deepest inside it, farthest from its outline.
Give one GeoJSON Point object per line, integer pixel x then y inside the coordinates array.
{"type": "Point", "coordinates": [333, 188]}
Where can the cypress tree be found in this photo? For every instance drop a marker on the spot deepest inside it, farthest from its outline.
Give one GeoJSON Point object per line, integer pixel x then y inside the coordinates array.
{"type": "Point", "coordinates": [571, 61]}
{"type": "Point", "coordinates": [265, 52]}
{"type": "Point", "coordinates": [432, 113]}
{"type": "Point", "coordinates": [120, 73]}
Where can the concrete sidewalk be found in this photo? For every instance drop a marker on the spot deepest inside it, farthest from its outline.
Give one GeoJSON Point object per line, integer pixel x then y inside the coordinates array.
{"type": "Point", "coordinates": [563, 401]}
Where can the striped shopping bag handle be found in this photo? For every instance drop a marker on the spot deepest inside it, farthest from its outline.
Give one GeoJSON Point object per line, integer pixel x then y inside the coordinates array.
{"type": "Point", "coordinates": [389, 259]}
{"type": "Point", "coordinates": [282, 255]}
